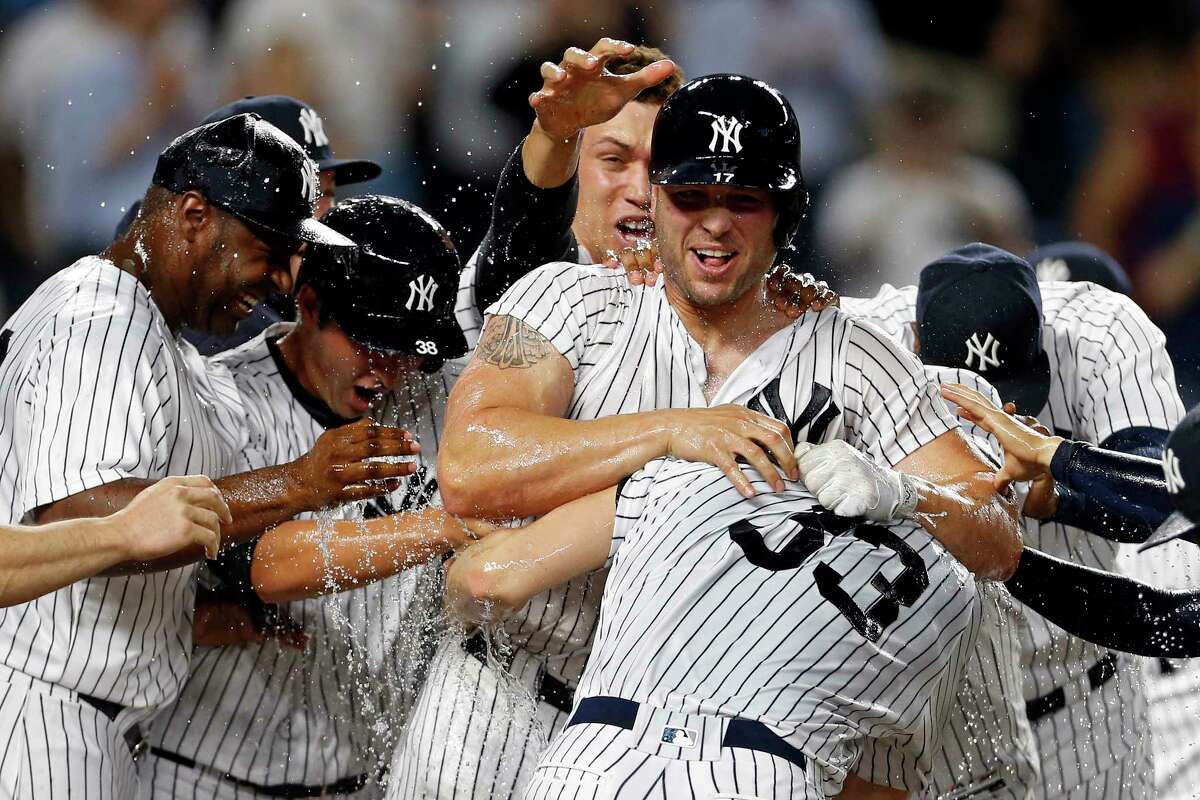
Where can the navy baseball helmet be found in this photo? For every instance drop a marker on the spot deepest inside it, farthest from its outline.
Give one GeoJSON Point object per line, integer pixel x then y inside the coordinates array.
{"type": "Point", "coordinates": [1181, 468]}
{"type": "Point", "coordinates": [300, 121]}
{"type": "Point", "coordinates": [254, 171]}
{"type": "Point", "coordinates": [1079, 261]}
{"type": "Point", "coordinates": [398, 294]}
{"type": "Point", "coordinates": [979, 308]}
{"type": "Point", "coordinates": [732, 130]}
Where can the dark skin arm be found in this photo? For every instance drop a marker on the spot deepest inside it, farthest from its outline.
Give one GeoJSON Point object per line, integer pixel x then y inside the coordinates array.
{"type": "Point", "coordinates": [334, 472]}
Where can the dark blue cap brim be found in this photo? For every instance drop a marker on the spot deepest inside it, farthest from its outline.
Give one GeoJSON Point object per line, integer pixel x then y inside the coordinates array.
{"type": "Point", "coordinates": [350, 170]}
{"type": "Point", "coordinates": [306, 230]}
{"type": "Point", "coordinates": [1176, 526]}
{"type": "Point", "coordinates": [1030, 390]}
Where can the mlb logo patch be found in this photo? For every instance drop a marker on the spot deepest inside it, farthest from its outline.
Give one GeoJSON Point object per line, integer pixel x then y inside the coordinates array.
{"type": "Point", "coordinates": [680, 737]}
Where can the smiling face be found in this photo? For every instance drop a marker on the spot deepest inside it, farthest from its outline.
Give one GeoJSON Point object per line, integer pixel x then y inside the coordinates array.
{"type": "Point", "coordinates": [237, 269]}
{"type": "Point", "coordinates": [614, 184]}
{"type": "Point", "coordinates": [716, 242]}
{"type": "Point", "coordinates": [345, 375]}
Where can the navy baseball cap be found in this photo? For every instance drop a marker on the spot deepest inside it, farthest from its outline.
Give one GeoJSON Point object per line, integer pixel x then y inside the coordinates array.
{"type": "Point", "coordinates": [1181, 468]}
{"type": "Point", "coordinates": [979, 308]}
{"type": "Point", "coordinates": [253, 170]}
{"type": "Point", "coordinates": [300, 121]}
{"type": "Point", "coordinates": [1080, 261]}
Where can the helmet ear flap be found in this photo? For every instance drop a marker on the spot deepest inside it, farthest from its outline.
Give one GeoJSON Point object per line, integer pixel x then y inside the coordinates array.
{"type": "Point", "coordinates": [793, 207]}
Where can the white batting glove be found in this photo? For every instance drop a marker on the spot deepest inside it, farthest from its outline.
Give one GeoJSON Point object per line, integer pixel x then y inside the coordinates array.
{"type": "Point", "coordinates": [850, 484]}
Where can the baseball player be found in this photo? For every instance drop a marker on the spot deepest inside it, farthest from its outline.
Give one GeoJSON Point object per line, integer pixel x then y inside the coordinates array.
{"type": "Point", "coordinates": [102, 399]}
{"type": "Point", "coordinates": [580, 342]}
{"type": "Point", "coordinates": [264, 719]}
{"type": "Point", "coordinates": [1089, 364]}
{"type": "Point", "coordinates": [172, 515]}
{"type": "Point", "coordinates": [658, 616]}
{"type": "Point", "coordinates": [576, 189]}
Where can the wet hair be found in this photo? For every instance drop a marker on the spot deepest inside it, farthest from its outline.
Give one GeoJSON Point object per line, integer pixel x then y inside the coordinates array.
{"type": "Point", "coordinates": [643, 56]}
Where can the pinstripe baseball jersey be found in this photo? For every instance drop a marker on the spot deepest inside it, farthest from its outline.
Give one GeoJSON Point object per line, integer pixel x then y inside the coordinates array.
{"type": "Point", "coordinates": [772, 609]}
{"type": "Point", "coordinates": [1109, 372]}
{"type": "Point", "coordinates": [96, 389]}
{"type": "Point", "coordinates": [270, 714]}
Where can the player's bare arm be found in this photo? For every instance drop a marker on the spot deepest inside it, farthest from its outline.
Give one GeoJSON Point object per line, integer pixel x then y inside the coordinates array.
{"type": "Point", "coordinates": [337, 470]}
{"type": "Point", "coordinates": [173, 514]}
{"type": "Point", "coordinates": [496, 576]}
{"type": "Point", "coordinates": [301, 559]}
{"type": "Point", "coordinates": [945, 485]}
{"type": "Point", "coordinates": [958, 503]}
{"type": "Point", "coordinates": [576, 93]}
{"type": "Point", "coordinates": [507, 451]}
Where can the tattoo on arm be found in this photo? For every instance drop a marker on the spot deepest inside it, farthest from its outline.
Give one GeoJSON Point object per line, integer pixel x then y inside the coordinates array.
{"type": "Point", "coordinates": [508, 342]}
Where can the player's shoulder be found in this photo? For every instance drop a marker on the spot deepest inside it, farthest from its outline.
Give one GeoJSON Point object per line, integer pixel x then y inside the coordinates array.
{"type": "Point", "coordinates": [253, 353]}
{"type": "Point", "coordinates": [892, 308]}
{"type": "Point", "coordinates": [966, 377]}
{"type": "Point", "coordinates": [92, 291]}
{"type": "Point", "coordinates": [564, 283]}
{"type": "Point", "coordinates": [1088, 311]}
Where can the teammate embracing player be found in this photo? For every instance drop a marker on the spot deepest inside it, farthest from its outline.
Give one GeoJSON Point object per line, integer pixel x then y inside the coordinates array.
{"type": "Point", "coordinates": [581, 343]}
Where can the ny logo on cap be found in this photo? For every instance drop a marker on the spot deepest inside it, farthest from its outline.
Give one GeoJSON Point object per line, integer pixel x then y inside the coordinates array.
{"type": "Point", "coordinates": [314, 128]}
{"type": "Point", "coordinates": [1171, 472]}
{"type": "Point", "coordinates": [728, 130]}
{"type": "Point", "coordinates": [308, 181]}
{"type": "Point", "coordinates": [421, 291]}
{"type": "Point", "coordinates": [1053, 269]}
{"type": "Point", "coordinates": [984, 351]}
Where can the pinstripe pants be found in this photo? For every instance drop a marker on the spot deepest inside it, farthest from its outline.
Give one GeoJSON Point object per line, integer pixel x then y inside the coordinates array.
{"type": "Point", "coordinates": [1075, 768]}
{"type": "Point", "coordinates": [476, 730]}
{"type": "Point", "coordinates": [56, 747]}
{"type": "Point", "coordinates": [596, 762]}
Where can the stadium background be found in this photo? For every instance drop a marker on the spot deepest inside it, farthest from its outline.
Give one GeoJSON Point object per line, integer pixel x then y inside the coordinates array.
{"type": "Point", "coordinates": [1012, 121]}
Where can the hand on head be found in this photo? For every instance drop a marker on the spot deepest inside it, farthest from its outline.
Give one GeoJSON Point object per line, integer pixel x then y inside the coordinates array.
{"type": "Point", "coordinates": [578, 91]}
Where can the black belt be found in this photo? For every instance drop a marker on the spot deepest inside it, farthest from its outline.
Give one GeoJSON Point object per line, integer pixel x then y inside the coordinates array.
{"type": "Point", "coordinates": [343, 786]}
{"type": "Point", "coordinates": [1098, 674]}
{"type": "Point", "coordinates": [550, 689]}
{"type": "Point", "coordinates": [134, 740]}
{"type": "Point", "coordinates": [747, 734]}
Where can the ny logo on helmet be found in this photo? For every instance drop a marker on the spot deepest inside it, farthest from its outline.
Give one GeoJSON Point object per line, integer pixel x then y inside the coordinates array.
{"type": "Point", "coordinates": [1053, 269]}
{"type": "Point", "coordinates": [1171, 472]}
{"type": "Point", "coordinates": [314, 128]}
{"type": "Point", "coordinates": [308, 181]}
{"type": "Point", "coordinates": [421, 292]}
{"type": "Point", "coordinates": [726, 129]}
{"type": "Point", "coordinates": [984, 352]}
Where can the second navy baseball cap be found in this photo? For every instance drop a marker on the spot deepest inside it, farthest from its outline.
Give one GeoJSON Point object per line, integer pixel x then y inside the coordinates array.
{"type": "Point", "coordinates": [979, 308]}
{"type": "Point", "coordinates": [300, 121]}
{"type": "Point", "coordinates": [1079, 261]}
{"type": "Point", "coordinates": [254, 171]}
{"type": "Point", "coordinates": [1181, 468]}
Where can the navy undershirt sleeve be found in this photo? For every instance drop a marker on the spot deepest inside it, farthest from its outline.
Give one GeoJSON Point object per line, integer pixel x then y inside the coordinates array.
{"type": "Point", "coordinates": [530, 227]}
{"type": "Point", "coordinates": [1107, 609]}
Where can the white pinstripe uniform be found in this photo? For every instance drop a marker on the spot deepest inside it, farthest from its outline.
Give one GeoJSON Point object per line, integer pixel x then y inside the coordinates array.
{"type": "Point", "coordinates": [770, 609]}
{"type": "Point", "coordinates": [1109, 372]}
{"type": "Point", "coordinates": [473, 731]}
{"type": "Point", "coordinates": [987, 747]}
{"type": "Point", "coordinates": [96, 388]}
{"type": "Point", "coordinates": [267, 714]}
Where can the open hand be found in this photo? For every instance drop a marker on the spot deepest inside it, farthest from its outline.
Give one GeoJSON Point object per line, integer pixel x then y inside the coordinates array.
{"type": "Point", "coordinates": [578, 91]}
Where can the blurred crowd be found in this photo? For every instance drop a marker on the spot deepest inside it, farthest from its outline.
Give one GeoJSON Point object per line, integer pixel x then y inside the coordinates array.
{"type": "Point", "coordinates": [1014, 122]}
